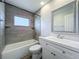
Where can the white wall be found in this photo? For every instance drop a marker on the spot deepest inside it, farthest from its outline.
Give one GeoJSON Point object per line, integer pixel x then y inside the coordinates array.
{"type": "Point", "coordinates": [46, 15]}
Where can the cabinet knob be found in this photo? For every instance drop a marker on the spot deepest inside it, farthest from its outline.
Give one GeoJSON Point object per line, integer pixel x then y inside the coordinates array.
{"type": "Point", "coordinates": [63, 52]}
{"type": "Point", "coordinates": [53, 53]}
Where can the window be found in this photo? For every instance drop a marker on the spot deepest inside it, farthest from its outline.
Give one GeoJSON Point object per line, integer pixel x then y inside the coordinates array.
{"type": "Point", "coordinates": [19, 21]}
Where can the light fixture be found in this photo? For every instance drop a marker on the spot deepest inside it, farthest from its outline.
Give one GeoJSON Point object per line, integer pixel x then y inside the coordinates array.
{"type": "Point", "coordinates": [42, 3]}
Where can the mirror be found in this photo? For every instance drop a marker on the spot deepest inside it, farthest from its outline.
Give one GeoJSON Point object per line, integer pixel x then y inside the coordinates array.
{"type": "Point", "coordinates": [64, 19]}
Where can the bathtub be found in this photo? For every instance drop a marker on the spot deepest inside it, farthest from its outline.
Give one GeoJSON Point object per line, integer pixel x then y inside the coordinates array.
{"type": "Point", "coordinates": [18, 50]}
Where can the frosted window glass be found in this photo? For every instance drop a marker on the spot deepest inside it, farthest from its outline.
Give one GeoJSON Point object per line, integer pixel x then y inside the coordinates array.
{"type": "Point", "coordinates": [19, 21]}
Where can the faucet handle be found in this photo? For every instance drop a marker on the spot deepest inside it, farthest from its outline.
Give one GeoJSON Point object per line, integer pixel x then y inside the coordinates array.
{"type": "Point", "coordinates": [58, 35]}
{"type": "Point", "coordinates": [61, 37]}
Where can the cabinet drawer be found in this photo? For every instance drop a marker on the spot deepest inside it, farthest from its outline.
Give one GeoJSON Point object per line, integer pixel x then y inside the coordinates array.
{"type": "Point", "coordinates": [62, 50]}
{"type": "Point", "coordinates": [56, 53]}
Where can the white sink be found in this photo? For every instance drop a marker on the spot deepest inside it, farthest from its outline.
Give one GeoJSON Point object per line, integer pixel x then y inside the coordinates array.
{"type": "Point", "coordinates": [65, 42]}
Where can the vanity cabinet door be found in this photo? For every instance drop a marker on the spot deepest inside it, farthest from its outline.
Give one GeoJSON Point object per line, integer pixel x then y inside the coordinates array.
{"type": "Point", "coordinates": [53, 51]}
{"type": "Point", "coordinates": [47, 54]}
{"type": "Point", "coordinates": [67, 53]}
{"type": "Point", "coordinates": [57, 53]}
{"type": "Point", "coordinates": [51, 54]}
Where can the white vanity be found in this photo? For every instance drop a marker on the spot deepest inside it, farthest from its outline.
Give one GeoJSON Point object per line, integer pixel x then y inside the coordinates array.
{"type": "Point", "coordinates": [55, 48]}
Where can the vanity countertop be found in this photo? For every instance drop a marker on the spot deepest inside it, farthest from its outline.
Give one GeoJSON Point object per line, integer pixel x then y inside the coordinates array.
{"type": "Point", "coordinates": [70, 44]}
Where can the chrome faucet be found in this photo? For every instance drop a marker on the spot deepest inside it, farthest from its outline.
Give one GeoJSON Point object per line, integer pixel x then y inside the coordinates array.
{"type": "Point", "coordinates": [60, 36]}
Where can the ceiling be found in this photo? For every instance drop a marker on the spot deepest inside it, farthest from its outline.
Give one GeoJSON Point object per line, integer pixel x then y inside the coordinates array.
{"type": "Point", "coordinates": [30, 5]}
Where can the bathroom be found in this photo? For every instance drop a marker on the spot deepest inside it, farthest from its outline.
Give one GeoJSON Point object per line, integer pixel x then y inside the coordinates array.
{"type": "Point", "coordinates": [50, 26]}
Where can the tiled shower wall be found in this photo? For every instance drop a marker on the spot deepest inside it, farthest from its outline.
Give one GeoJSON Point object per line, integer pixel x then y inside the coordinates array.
{"type": "Point", "coordinates": [16, 34]}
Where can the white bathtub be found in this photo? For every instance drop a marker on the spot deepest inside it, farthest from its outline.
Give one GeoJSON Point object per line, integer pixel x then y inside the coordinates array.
{"type": "Point", "coordinates": [17, 50]}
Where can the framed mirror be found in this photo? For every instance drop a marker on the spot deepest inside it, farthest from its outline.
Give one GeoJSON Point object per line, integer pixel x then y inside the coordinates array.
{"type": "Point", "coordinates": [64, 19]}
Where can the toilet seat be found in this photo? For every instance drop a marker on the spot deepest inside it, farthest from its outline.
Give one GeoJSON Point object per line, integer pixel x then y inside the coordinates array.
{"type": "Point", "coordinates": [36, 51]}
{"type": "Point", "coordinates": [35, 48]}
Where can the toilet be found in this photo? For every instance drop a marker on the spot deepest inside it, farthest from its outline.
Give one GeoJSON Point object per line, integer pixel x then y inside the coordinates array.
{"type": "Point", "coordinates": [36, 51]}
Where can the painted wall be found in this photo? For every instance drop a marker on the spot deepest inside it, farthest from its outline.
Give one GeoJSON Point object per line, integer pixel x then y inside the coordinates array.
{"type": "Point", "coordinates": [16, 34]}
{"type": "Point", "coordinates": [46, 18]}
